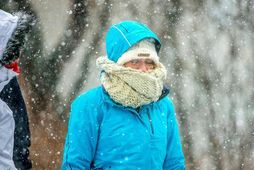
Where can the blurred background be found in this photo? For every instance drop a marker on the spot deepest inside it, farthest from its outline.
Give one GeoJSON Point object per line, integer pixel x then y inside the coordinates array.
{"type": "Point", "coordinates": [207, 47]}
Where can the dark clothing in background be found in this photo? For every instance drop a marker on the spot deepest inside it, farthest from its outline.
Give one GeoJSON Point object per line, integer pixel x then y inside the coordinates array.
{"type": "Point", "coordinates": [11, 94]}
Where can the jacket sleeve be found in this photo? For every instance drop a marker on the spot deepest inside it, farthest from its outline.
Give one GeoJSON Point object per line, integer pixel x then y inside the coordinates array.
{"type": "Point", "coordinates": [82, 136]}
{"type": "Point", "coordinates": [6, 137]}
{"type": "Point", "coordinates": [174, 158]}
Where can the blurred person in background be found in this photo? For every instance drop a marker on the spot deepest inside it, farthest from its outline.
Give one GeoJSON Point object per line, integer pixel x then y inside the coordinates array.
{"type": "Point", "coordinates": [128, 122]}
{"type": "Point", "coordinates": [14, 125]}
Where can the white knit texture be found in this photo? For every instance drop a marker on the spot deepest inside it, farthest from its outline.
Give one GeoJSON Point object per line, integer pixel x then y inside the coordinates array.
{"type": "Point", "coordinates": [131, 87]}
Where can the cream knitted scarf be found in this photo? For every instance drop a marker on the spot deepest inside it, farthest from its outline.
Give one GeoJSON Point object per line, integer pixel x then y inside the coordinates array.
{"type": "Point", "coordinates": [131, 87]}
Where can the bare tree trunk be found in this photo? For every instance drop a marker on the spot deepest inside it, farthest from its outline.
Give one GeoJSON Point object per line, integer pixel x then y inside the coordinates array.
{"type": "Point", "coordinates": [215, 146]}
{"type": "Point", "coordinates": [184, 117]}
{"type": "Point", "coordinates": [104, 18]}
{"type": "Point", "coordinates": [173, 11]}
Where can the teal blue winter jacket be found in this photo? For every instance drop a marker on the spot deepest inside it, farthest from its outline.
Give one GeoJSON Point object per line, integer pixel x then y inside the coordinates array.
{"type": "Point", "coordinates": [105, 135]}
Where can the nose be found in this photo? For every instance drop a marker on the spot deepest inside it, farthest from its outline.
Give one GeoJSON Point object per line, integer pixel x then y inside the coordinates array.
{"type": "Point", "coordinates": [143, 67]}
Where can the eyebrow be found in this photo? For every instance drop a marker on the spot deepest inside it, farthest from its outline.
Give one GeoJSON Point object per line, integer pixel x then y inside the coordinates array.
{"type": "Point", "coordinates": [143, 55]}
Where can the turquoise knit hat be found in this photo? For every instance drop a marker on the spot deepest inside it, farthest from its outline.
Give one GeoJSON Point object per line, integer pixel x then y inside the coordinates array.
{"type": "Point", "coordinates": [122, 36]}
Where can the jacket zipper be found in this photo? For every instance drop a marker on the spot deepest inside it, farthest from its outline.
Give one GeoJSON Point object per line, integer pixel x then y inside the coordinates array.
{"type": "Point", "coordinates": [150, 121]}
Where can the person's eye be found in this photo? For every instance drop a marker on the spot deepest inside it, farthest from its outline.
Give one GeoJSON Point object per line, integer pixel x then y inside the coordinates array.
{"type": "Point", "coordinates": [150, 62]}
{"type": "Point", "coordinates": [134, 61]}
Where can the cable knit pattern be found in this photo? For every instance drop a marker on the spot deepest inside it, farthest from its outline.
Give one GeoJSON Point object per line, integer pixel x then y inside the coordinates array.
{"type": "Point", "coordinates": [131, 87]}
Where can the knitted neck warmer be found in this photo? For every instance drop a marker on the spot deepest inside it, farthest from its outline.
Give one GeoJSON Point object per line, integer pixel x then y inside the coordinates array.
{"type": "Point", "coordinates": [131, 87]}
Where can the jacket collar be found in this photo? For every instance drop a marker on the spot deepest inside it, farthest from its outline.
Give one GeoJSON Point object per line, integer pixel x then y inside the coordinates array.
{"type": "Point", "coordinates": [165, 92]}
